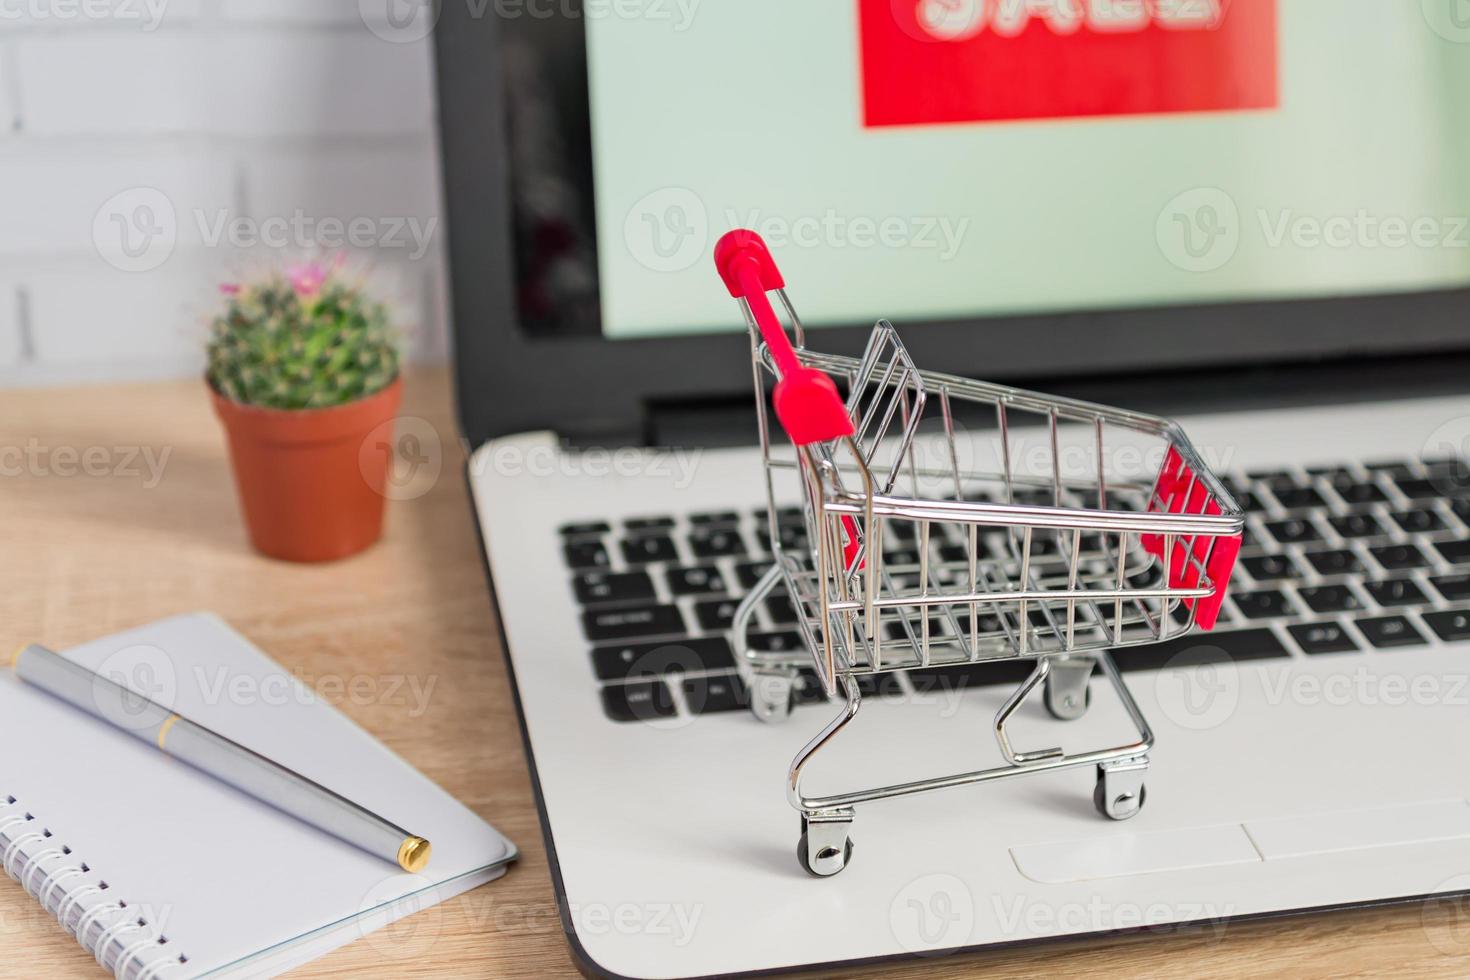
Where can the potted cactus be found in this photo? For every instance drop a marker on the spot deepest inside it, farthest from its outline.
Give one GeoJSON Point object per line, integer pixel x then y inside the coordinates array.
{"type": "Point", "coordinates": [302, 368]}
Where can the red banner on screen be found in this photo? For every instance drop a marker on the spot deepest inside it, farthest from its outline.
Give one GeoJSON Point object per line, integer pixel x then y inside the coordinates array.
{"type": "Point", "coordinates": [959, 61]}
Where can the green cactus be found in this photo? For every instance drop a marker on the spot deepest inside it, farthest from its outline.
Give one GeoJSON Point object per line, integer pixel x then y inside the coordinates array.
{"type": "Point", "coordinates": [301, 340]}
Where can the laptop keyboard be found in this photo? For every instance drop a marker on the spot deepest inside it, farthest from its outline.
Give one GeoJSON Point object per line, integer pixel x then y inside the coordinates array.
{"type": "Point", "coordinates": [1337, 560]}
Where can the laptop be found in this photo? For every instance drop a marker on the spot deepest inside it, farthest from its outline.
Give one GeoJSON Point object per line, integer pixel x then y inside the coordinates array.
{"type": "Point", "coordinates": [1255, 237]}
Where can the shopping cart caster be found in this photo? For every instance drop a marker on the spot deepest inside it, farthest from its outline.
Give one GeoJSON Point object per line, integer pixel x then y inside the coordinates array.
{"type": "Point", "coordinates": [825, 847]}
{"type": "Point", "coordinates": [772, 692]}
{"type": "Point", "coordinates": [1067, 692]}
{"type": "Point", "coordinates": [1120, 793]}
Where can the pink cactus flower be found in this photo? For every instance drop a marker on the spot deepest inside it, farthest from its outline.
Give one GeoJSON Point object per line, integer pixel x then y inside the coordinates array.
{"type": "Point", "coordinates": [230, 288]}
{"type": "Point", "coordinates": [307, 278]}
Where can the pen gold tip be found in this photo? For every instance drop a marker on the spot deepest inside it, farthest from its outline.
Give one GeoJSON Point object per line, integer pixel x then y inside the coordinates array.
{"type": "Point", "coordinates": [413, 854]}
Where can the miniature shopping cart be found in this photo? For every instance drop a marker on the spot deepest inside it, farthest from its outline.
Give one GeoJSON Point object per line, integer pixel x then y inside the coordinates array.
{"type": "Point", "coordinates": [906, 553]}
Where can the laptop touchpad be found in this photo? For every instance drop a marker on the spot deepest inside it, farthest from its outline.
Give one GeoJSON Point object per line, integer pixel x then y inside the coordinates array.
{"type": "Point", "coordinates": [1114, 856]}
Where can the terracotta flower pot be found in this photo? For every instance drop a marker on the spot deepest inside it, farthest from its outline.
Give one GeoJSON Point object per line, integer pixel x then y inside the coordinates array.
{"type": "Point", "coordinates": [311, 489]}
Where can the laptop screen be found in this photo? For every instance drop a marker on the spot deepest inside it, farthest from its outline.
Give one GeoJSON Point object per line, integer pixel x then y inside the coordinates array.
{"type": "Point", "coordinates": [961, 159]}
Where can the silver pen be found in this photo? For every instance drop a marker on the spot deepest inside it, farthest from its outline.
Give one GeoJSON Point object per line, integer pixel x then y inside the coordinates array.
{"type": "Point", "coordinates": [225, 760]}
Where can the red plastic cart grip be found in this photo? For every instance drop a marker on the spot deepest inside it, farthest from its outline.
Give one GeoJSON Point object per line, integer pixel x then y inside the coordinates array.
{"type": "Point", "coordinates": [1177, 491]}
{"type": "Point", "coordinates": [807, 401]}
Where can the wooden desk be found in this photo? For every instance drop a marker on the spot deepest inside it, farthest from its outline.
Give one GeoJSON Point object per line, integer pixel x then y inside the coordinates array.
{"type": "Point", "coordinates": [89, 554]}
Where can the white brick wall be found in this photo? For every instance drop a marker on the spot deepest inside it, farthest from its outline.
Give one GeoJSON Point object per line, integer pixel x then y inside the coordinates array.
{"type": "Point", "coordinates": [160, 147]}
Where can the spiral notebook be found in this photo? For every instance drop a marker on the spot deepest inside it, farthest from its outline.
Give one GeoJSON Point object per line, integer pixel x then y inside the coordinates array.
{"type": "Point", "coordinates": [164, 873]}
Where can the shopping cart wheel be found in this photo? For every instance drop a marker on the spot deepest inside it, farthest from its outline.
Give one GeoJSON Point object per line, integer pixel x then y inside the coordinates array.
{"type": "Point", "coordinates": [1120, 793]}
{"type": "Point", "coordinates": [825, 847]}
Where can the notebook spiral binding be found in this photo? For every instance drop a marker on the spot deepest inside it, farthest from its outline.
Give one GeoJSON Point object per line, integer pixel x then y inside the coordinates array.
{"type": "Point", "coordinates": [124, 944]}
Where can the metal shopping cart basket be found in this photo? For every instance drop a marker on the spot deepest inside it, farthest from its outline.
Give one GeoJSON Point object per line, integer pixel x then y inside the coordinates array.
{"type": "Point", "coordinates": [905, 553]}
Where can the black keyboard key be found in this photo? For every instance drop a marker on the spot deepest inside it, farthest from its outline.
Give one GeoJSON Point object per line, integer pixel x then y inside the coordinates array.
{"type": "Point", "coordinates": [960, 553]}
{"type": "Point", "coordinates": [647, 548]}
{"type": "Point", "coordinates": [1453, 587]}
{"type": "Point", "coordinates": [634, 660]}
{"type": "Point", "coordinates": [784, 515]}
{"type": "Point", "coordinates": [1248, 501]}
{"type": "Point", "coordinates": [1359, 494]}
{"type": "Point", "coordinates": [716, 614]}
{"type": "Point", "coordinates": [1399, 557]}
{"type": "Point", "coordinates": [1455, 552]}
{"type": "Point", "coordinates": [748, 573]}
{"type": "Point", "coordinates": [1330, 598]}
{"type": "Point", "coordinates": [1340, 562]}
{"type": "Point", "coordinates": [707, 695]}
{"type": "Point", "coordinates": [1318, 638]}
{"type": "Point", "coordinates": [1298, 498]}
{"type": "Point", "coordinates": [716, 542]}
{"type": "Point", "coordinates": [1396, 592]}
{"type": "Point", "coordinates": [1419, 521]}
{"type": "Point", "coordinates": [1273, 478]}
{"type": "Point", "coordinates": [695, 580]}
{"type": "Point", "coordinates": [1393, 468]}
{"type": "Point", "coordinates": [878, 685]}
{"type": "Point", "coordinates": [1417, 489]}
{"type": "Point", "coordinates": [1271, 568]}
{"type": "Point", "coordinates": [1390, 631]}
{"type": "Point", "coordinates": [715, 517]}
{"type": "Point", "coordinates": [808, 688]}
{"type": "Point", "coordinates": [628, 622]}
{"type": "Point", "coordinates": [781, 610]}
{"type": "Point", "coordinates": [900, 558]}
{"type": "Point", "coordinates": [584, 529]}
{"type": "Point", "coordinates": [1453, 625]}
{"type": "Point", "coordinates": [586, 554]}
{"type": "Point", "coordinates": [648, 523]}
{"type": "Point", "coordinates": [1263, 604]}
{"type": "Point", "coordinates": [1228, 646]}
{"type": "Point", "coordinates": [895, 628]}
{"type": "Point", "coordinates": [1293, 531]}
{"type": "Point", "coordinates": [931, 681]}
{"type": "Point", "coordinates": [793, 537]}
{"type": "Point", "coordinates": [1357, 526]}
{"type": "Point", "coordinates": [594, 588]}
{"type": "Point", "coordinates": [779, 642]}
{"type": "Point", "coordinates": [640, 701]}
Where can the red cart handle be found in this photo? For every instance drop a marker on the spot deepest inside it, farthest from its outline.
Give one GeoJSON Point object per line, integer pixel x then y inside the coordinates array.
{"type": "Point", "coordinates": [807, 402]}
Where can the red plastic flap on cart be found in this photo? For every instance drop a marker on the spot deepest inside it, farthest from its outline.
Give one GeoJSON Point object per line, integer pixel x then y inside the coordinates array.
{"type": "Point", "coordinates": [1178, 492]}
